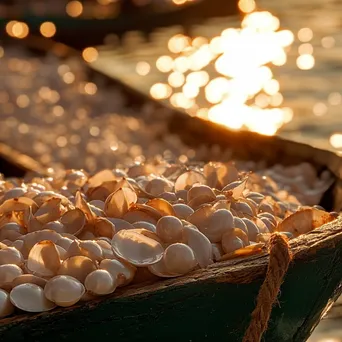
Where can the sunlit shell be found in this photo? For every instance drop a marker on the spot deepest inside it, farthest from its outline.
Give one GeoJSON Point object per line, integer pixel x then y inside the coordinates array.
{"type": "Point", "coordinates": [11, 255]}
{"type": "Point", "coordinates": [44, 259]}
{"type": "Point", "coordinates": [179, 258]}
{"type": "Point", "coordinates": [64, 290]}
{"type": "Point", "coordinates": [182, 211]}
{"type": "Point", "coordinates": [122, 273]}
{"type": "Point", "coordinates": [73, 221]}
{"type": "Point", "coordinates": [107, 249]}
{"type": "Point", "coordinates": [55, 226]}
{"type": "Point", "coordinates": [10, 231]}
{"type": "Point", "coordinates": [30, 298]}
{"type": "Point", "coordinates": [29, 278]}
{"type": "Point", "coordinates": [83, 205]}
{"type": "Point", "coordinates": [136, 248]}
{"type": "Point", "coordinates": [97, 179]}
{"type": "Point", "coordinates": [244, 252]}
{"type": "Point", "coordinates": [49, 211]}
{"type": "Point", "coordinates": [45, 196]}
{"type": "Point", "coordinates": [31, 239]}
{"type": "Point", "coordinates": [88, 248]}
{"type": "Point", "coordinates": [18, 204]}
{"type": "Point", "coordinates": [104, 227]}
{"type": "Point", "coordinates": [170, 229]}
{"type": "Point", "coordinates": [304, 221]}
{"type": "Point", "coordinates": [162, 206]}
{"type": "Point", "coordinates": [201, 216]}
{"type": "Point", "coordinates": [218, 223]}
{"type": "Point", "coordinates": [188, 179]}
{"type": "Point", "coordinates": [142, 212]}
{"type": "Point", "coordinates": [118, 203]}
{"type": "Point", "coordinates": [78, 267]}
{"type": "Point", "coordinates": [157, 186]}
{"type": "Point", "coordinates": [148, 234]}
{"type": "Point", "coordinates": [8, 273]}
{"type": "Point", "coordinates": [101, 192]}
{"type": "Point", "coordinates": [200, 245]}
{"type": "Point", "coordinates": [227, 173]}
{"type": "Point", "coordinates": [200, 190]}
{"type": "Point", "coordinates": [146, 225]}
{"type": "Point", "coordinates": [6, 307]}
{"type": "Point", "coordinates": [100, 282]}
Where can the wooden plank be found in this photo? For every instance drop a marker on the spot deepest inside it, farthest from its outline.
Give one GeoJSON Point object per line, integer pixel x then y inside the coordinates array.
{"type": "Point", "coordinates": [205, 305]}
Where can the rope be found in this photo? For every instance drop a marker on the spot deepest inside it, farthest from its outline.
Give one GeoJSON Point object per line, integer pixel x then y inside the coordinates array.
{"type": "Point", "coordinates": [280, 257]}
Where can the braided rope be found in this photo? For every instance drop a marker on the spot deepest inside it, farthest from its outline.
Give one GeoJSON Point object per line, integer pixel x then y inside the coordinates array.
{"type": "Point", "coordinates": [280, 258]}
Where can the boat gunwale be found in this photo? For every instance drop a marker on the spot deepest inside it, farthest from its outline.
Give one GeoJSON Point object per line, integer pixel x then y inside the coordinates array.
{"type": "Point", "coordinates": [242, 270]}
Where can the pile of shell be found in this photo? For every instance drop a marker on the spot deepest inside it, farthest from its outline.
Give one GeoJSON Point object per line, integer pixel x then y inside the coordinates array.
{"type": "Point", "coordinates": [51, 111]}
{"type": "Point", "coordinates": [69, 238]}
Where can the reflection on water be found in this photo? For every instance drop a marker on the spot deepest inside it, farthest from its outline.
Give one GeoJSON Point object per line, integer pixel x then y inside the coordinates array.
{"type": "Point", "coordinates": [275, 71]}
{"type": "Point", "coordinates": [227, 78]}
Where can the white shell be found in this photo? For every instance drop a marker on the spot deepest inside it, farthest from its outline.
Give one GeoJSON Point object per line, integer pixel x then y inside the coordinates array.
{"type": "Point", "coordinates": [31, 239]}
{"type": "Point", "coordinates": [230, 244]}
{"type": "Point", "coordinates": [107, 250]}
{"type": "Point", "coordinates": [219, 222]}
{"type": "Point", "coordinates": [100, 282]}
{"type": "Point", "coordinates": [159, 269]}
{"type": "Point", "coordinates": [30, 298]}
{"type": "Point", "coordinates": [200, 245]}
{"type": "Point", "coordinates": [8, 273]}
{"type": "Point", "coordinates": [179, 258]}
{"type": "Point", "coordinates": [122, 273]}
{"type": "Point", "coordinates": [29, 278]}
{"type": "Point", "coordinates": [170, 229]}
{"type": "Point", "coordinates": [88, 248]}
{"type": "Point", "coordinates": [146, 225]}
{"type": "Point", "coordinates": [183, 211]}
{"type": "Point", "coordinates": [64, 290]}
{"type": "Point", "coordinates": [11, 255]}
{"type": "Point", "coordinates": [78, 267]}
{"type": "Point", "coordinates": [44, 259]}
{"type": "Point", "coordinates": [10, 231]}
{"type": "Point", "coordinates": [136, 248]}
{"type": "Point", "coordinates": [6, 307]}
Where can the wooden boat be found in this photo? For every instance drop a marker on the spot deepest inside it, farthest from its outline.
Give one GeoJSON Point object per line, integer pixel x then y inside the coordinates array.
{"type": "Point", "coordinates": [215, 303]}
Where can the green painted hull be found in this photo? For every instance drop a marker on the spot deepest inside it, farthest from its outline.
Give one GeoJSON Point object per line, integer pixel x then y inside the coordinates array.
{"type": "Point", "coordinates": [207, 305]}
